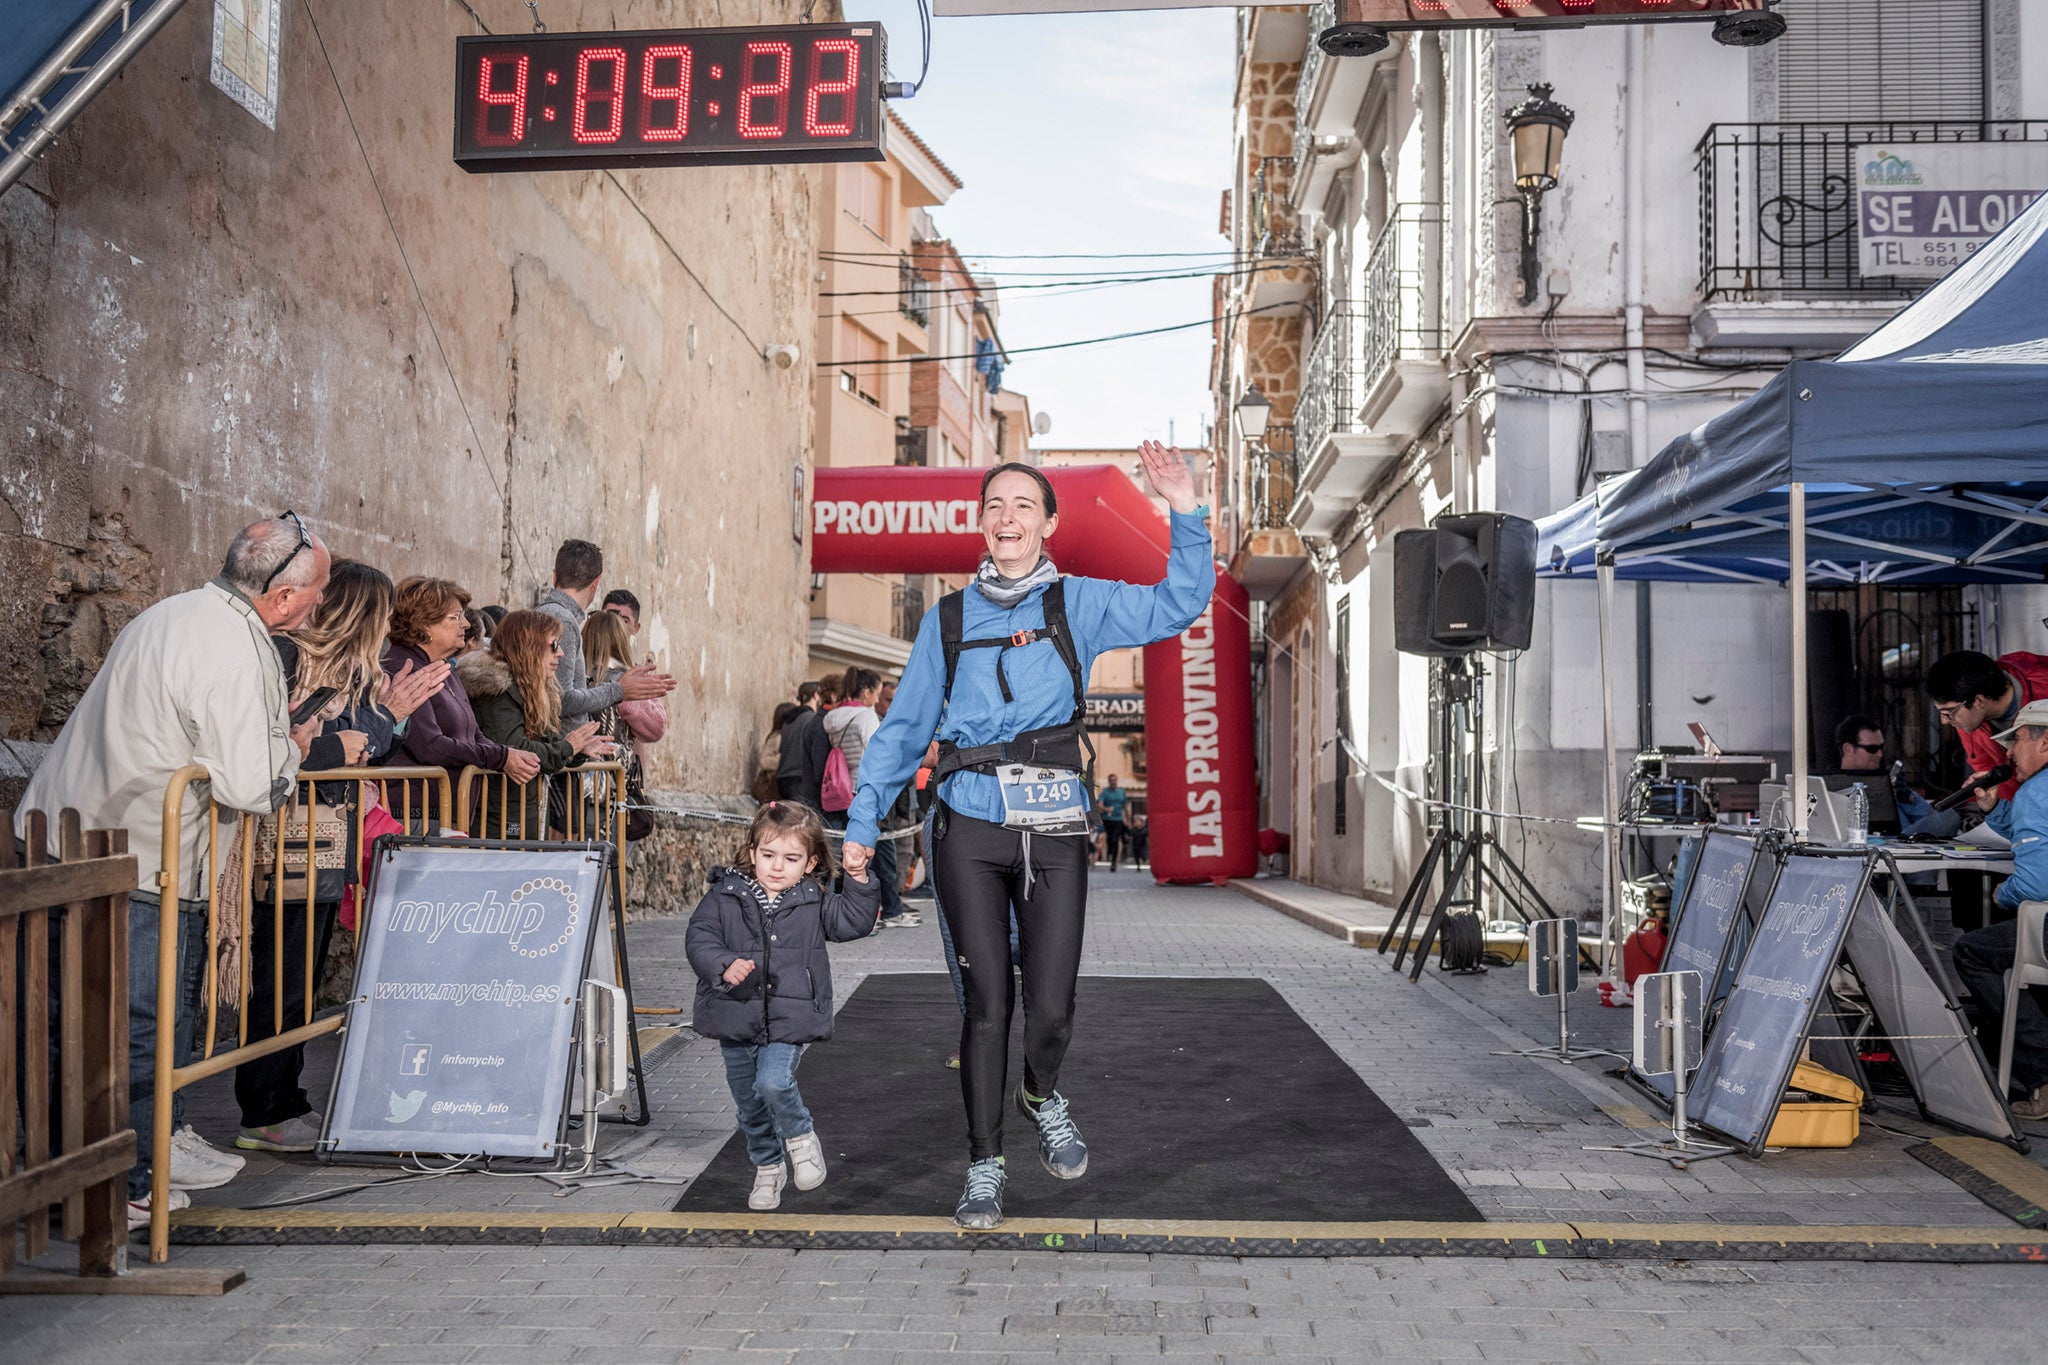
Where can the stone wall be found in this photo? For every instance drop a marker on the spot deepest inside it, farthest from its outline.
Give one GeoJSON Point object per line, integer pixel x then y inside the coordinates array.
{"type": "Point", "coordinates": [669, 871]}
{"type": "Point", "coordinates": [203, 322]}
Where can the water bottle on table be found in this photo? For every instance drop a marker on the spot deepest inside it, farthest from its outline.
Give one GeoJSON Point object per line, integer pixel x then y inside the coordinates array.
{"type": "Point", "coordinates": [1859, 816]}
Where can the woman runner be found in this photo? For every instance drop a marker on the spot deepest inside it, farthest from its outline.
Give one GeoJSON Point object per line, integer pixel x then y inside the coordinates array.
{"type": "Point", "coordinates": [1011, 828]}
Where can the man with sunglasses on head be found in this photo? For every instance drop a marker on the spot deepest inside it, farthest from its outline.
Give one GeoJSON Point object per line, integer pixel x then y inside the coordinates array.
{"type": "Point", "coordinates": [194, 679]}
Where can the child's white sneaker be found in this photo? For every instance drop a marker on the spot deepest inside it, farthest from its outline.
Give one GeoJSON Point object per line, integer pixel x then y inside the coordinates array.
{"type": "Point", "coordinates": [808, 1156]}
{"type": "Point", "coordinates": [768, 1182]}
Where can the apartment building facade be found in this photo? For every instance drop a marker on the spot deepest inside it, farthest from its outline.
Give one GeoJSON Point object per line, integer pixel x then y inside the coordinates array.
{"type": "Point", "coordinates": [910, 373]}
{"type": "Point", "coordinates": [1699, 237]}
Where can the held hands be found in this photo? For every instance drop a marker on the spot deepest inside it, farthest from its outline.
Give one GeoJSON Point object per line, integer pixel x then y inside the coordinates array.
{"type": "Point", "coordinates": [854, 858]}
{"type": "Point", "coordinates": [304, 735]}
{"type": "Point", "coordinates": [739, 971]}
{"type": "Point", "coordinates": [642, 681]}
{"type": "Point", "coordinates": [522, 765]}
{"type": "Point", "coordinates": [1170, 476]}
{"type": "Point", "coordinates": [411, 687]}
{"type": "Point", "coordinates": [1986, 799]}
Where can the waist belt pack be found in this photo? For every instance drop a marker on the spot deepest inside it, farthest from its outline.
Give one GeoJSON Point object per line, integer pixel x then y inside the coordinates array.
{"type": "Point", "coordinates": [1048, 751]}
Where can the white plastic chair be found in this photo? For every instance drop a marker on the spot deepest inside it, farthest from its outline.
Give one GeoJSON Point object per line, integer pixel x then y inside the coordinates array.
{"type": "Point", "coordinates": [2029, 968]}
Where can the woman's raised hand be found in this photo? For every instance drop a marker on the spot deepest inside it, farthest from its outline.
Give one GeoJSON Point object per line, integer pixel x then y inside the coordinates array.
{"type": "Point", "coordinates": [1170, 476]}
{"type": "Point", "coordinates": [409, 689]}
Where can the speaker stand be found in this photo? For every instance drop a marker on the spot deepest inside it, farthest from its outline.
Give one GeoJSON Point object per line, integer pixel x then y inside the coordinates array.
{"type": "Point", "coordinates": [1483, 858]}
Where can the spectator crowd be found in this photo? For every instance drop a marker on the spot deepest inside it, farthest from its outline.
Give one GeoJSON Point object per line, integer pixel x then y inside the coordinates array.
{"type": "Point", "coordinates": [288, 662]}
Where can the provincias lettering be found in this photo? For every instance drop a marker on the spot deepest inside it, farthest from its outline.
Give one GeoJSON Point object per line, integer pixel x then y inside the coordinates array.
{"type": "Point", "coordinates": [896, 517]}
{"type": "Point", "coordinates": [1203, 773]}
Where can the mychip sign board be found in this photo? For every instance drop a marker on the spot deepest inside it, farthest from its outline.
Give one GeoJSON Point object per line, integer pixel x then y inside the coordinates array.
{"type": "Point", "coordinates": [1763, 1028]}
{"type": "Point", "coordinates": [463, 1016]}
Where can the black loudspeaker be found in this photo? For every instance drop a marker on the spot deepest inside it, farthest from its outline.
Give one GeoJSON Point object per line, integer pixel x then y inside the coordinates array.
{"type": "Point", "coordinates": [1466, 583]}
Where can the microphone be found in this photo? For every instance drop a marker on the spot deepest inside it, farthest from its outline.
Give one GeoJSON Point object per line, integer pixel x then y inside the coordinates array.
{"type": "Point", "coordinates": [1997, 775]}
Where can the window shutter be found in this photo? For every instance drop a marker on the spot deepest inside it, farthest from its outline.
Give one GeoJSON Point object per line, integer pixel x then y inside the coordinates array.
{"type": "Point", "coordinates": [1895, 60]}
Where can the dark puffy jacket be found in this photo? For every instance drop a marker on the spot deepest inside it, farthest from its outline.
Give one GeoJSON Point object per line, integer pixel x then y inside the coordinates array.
{"type": "Point", "coordinates": [501, 715]}
{"type": "Point", "coordinates": [788, 996]}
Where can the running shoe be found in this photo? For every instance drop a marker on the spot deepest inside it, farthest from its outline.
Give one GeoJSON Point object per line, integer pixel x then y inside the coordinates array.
{"type": "Point", "coordinates": [138, 1209]}
{"type": "Point", "coordinates": [197, 1164]}
{"type": "Point", "coordinates": [301, 1134]}
{"type": "Point", "coordinates": [981, 1205]}
{"type": "Point", "coordinates": [1060, 1148]}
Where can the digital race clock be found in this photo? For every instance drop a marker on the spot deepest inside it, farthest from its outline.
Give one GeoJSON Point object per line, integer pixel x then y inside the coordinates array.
{"type": "Point", "coordinates": [674, 97]}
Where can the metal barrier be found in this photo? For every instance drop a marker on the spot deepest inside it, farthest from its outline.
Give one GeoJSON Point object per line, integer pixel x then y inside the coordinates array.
{"type": "Point", "coordinates": [577, 804]}
{"type": "Point", "coordinates": [420, 799]}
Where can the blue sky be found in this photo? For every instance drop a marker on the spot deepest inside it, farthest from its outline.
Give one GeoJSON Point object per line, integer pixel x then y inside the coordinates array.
{"type": "Point", "coordinates": [1085, 133]}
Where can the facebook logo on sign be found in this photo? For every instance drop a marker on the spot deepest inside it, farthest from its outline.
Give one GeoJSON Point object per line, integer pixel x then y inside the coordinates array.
{"type": "Point", "coordinates": [412, 1059]}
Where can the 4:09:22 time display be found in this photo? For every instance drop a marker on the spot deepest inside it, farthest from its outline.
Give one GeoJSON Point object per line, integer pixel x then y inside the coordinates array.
{"type": "Point", "coordinates": [807, 92]}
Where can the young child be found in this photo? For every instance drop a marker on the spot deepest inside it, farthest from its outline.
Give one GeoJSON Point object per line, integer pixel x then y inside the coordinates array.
{"type": "Point", "coordinates": [764, 982]}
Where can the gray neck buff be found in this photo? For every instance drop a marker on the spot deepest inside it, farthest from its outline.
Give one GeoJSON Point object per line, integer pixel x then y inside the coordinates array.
{"type": "Point", "coordinates": [1008, 592]}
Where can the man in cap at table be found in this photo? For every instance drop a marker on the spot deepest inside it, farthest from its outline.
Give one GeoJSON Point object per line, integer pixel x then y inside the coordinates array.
{"type": "Point", "coordinates": [1983, 957]}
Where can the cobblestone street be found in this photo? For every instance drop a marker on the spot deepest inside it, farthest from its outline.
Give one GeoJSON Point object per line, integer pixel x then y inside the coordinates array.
{"type": "Point", "coordinates": [1510, 1130]}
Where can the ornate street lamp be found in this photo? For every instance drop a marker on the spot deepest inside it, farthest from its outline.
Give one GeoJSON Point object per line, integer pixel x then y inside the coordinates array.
{"type": "Point", "coordinates": [1537, 127]}
{"type": "Point", "coordinates": [1253, 411]}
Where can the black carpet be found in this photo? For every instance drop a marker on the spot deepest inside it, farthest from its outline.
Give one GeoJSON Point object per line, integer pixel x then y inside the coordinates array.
{"type": "Point", "coordinates": [1199, 1098]}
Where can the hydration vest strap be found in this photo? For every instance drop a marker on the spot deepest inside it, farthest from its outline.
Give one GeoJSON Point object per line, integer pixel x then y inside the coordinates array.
{"type": "Point", "coordinates": [1061, 745]}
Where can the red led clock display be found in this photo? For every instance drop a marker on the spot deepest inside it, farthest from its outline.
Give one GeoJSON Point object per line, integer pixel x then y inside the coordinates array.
{"type": "Point", "coordinates": [1397, 14]}
{"type": "Point", "coordinates": [674, 97]}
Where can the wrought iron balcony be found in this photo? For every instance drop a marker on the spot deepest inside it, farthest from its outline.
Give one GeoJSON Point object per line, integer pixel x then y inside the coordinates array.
{"type": "Point", "coordinates": [1778, 205]}
{"type": "Point", "coordinates": [1321, 15]}
{"type": "Point", "coordinates": [1275, 226]}
{"type": "Point", "coordinates": [1403, 313]}
{"type": "Point", "coordinates": [1329, 382]}
{"type": "Point", "coordinates": [1375, 375]}
{"type": "Point", "coordinates": [913, 292]}
{"type": "Point", "coordinates": [1272, 471]}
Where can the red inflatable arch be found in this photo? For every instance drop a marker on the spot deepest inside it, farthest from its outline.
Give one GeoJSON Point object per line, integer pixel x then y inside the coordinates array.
{"type": "Point", "coordinates": [1201, 793]}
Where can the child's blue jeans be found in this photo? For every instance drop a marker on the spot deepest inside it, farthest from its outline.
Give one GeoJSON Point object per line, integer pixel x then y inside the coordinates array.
{"type": "Point", "coordinates": [763, 1081]}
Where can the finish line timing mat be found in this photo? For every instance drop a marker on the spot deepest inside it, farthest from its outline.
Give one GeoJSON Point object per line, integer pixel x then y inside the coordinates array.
{"type": "Point", "coordinates": [1197, 1095]}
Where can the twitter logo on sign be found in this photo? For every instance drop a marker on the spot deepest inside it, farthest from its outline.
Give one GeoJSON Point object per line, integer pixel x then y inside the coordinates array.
{"type": "Point", "coordinates": [403, 1107]}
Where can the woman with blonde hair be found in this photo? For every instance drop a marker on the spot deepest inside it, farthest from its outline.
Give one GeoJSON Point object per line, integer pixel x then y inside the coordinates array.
{"type": "Point", "coordinates": [518, 702]}
{"type": "Point", "coordinates": [631, 725]}
{"type": "Point", "coordinates": [335, 651]}
{"type": "Point", "coordinates": [341, 648]}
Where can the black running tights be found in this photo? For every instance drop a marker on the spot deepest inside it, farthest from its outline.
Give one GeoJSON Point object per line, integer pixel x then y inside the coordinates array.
{"type": "Point", "coordinates": [979, 874]}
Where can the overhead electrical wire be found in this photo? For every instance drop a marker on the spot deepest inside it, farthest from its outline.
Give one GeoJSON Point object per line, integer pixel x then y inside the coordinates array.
{"type": "Point", "coordinates": [1069, 255]}
{"type": "Point", "coordinates": [1067, 283]}
{"type": "Point", "coordinates": [1059, 293]}
{"type": "Point", "coordinates": [1176, 269]}
{"type": "Point", "coordinates": [1057, 345]}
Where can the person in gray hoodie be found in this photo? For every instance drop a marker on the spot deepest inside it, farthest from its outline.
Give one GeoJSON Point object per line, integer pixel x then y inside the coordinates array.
{"type": "Point", "coordinates": [578, 567]}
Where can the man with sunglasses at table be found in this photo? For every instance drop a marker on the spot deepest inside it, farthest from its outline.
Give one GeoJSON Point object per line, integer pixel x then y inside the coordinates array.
{"type": "Point", "coordinates": [1860, 741]}
{"type": "Point", "coordinates": [194, 679]}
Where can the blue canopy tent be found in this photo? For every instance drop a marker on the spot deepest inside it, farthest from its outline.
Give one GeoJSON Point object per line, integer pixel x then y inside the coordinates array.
{"type": "Point", "coordinates": [1919, 455]}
